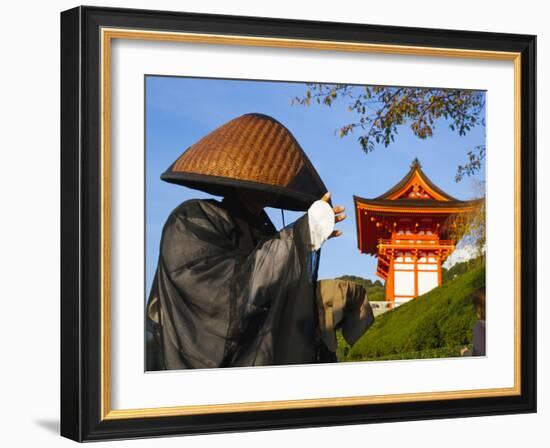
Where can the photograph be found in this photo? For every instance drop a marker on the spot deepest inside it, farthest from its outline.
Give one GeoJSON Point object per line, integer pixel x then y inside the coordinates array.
{"type": "Point", "coordinates": [272, 223]}
{"type": "Point", "coordinates": [292, 223]}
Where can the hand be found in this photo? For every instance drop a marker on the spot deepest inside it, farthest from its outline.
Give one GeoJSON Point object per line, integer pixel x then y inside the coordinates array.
{"type": "Point", "coordinates": [339, 215]}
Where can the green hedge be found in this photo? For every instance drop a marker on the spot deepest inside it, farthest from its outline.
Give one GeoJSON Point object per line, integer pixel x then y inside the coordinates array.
{"type": "Point", "coordinates": [434, 325]}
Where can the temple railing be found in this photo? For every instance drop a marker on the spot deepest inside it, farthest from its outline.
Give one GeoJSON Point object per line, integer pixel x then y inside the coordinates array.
{"type": "Point", "coordinates": [416, 241]}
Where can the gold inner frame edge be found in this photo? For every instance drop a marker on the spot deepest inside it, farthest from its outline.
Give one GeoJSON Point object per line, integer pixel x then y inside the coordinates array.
{"type": "Point", "coordinates": [107, 35]}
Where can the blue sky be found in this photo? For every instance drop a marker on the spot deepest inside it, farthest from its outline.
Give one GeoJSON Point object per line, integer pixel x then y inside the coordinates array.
{"type": "Point", "coordinates": [180, 111]}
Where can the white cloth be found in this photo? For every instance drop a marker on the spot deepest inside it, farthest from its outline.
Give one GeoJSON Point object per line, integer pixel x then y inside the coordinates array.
{"type": "Point", "coordinates": [321, 223]}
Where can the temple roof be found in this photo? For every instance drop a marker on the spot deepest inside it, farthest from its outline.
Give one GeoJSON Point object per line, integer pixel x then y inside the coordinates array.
{"type": "Point", "coordinates": [412, 204]}
{"type": "Point", "coordinates": [414, 199]}
{"type": "Point", "coordinates": [414, 190]}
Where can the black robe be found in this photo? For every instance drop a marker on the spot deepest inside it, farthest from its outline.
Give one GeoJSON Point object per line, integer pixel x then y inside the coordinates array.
{"type": "Point", "coordinates": [230, 290]}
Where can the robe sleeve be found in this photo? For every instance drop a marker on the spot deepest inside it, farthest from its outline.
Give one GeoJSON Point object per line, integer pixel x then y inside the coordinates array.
{"type": "Point", "coordinates": [222, 307]}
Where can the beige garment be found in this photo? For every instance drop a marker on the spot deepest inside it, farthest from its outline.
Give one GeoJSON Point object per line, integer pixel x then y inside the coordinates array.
{"type": "Point", "coordinates": [343, 304]}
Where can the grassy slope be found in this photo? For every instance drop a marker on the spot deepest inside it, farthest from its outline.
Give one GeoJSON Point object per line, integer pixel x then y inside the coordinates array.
{"type": "Point", "coordinates": [436, 324]}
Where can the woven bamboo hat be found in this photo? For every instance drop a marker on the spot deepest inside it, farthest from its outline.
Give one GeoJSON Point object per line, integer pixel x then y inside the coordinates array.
{"type": "Point", "coordinates": [253, 152]}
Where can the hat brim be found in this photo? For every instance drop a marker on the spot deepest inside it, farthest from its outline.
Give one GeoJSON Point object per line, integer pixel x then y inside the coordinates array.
{"type": "Point", "coordinates": [287, 199]}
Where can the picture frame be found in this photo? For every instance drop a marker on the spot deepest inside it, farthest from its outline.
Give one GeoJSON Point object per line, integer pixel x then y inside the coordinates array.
{"type": "Point", "coordinates": [86, 177]}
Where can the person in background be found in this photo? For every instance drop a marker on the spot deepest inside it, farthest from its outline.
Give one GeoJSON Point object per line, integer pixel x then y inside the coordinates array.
{"type": "Point", "coordinates": [478, 337]}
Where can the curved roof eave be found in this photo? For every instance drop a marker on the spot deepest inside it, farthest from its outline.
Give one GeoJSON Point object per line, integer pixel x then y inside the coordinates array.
{"type": "Point", "coordinates": [416, 167]}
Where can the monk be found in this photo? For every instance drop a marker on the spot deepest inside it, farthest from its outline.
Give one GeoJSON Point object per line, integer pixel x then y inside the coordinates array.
{"type": "Point", "coordinates": [229, 289]}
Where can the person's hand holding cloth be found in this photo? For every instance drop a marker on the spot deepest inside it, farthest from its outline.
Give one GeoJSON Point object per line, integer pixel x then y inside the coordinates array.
{"type": "Point", "coordinates": [321, 218]}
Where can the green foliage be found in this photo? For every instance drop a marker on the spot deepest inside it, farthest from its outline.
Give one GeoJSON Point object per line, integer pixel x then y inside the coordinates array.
{"type": "Point", "coordinates": [375, 290]}
{"type": "Point", "coordinates": [379, 110]}
{"type": "Point", "coordinates": [460, 269]}
{"type": "Point", "coordinates": [434, 325]}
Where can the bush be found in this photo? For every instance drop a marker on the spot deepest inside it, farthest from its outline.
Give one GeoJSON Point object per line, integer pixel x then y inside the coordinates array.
{"type": "Point", "coordinates": [434, 325]}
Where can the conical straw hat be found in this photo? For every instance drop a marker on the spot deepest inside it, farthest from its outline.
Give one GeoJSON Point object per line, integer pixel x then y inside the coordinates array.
{"type": "Point", "coordinates": [250, 152]}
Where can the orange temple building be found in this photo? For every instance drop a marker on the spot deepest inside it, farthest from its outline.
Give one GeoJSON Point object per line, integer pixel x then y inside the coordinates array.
{"type": "Point", "coordinates": [407, 229]}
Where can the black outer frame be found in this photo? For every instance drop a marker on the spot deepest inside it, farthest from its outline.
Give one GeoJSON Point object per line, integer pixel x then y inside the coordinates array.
{"type": "Point", "coordinates": [81, 207]}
